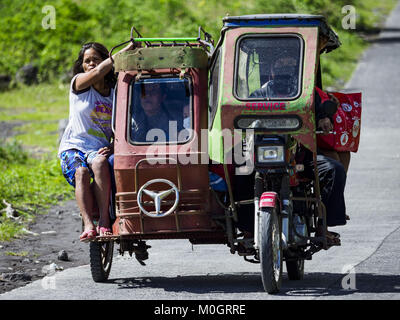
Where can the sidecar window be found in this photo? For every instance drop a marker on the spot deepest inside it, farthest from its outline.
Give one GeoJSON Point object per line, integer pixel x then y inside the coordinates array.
{"type": "Point", "coordinates": [268, 67]}
{"type": "Point", "coordinates": [161, 111]}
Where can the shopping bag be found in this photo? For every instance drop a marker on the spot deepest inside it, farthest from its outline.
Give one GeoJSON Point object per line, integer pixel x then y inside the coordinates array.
{"type": "Point", "coordinates": [346, 123]}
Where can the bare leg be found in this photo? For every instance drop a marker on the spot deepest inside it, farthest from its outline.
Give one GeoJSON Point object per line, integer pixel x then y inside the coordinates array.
{"type": "Point", "coordinates": [84, 197]}
{"type": "Point", "coordinates": [102, 189]}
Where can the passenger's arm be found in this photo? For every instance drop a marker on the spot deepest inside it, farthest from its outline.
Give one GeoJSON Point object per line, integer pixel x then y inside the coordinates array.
{"type": "Point", "coordinates": [325, 124]}
{"type": "Point", "coordinates": [105, 151]}
{"type": "Point", "coordinates": [324, 112]}
{"type": "Point", "coordinates": [326, 109]}
{"type": "Point", "coordinates": [85, 80]}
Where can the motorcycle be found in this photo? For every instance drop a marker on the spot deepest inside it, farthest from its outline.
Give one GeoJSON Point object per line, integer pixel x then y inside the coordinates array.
{"type": "Point", "coordinates": [221, 158]}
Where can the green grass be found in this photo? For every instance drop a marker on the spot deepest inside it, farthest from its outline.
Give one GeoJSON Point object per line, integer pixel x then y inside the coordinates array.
{"type": "Point", "coordinates": [39, 134]}
{"type": "Point", "coordinates": [41, 102]}
{"type": "Point", "coordinates": [53, 51]}
{"type": "Point", "coordinates": [9, 230]}
{"type": "Point", "coordinates": [39, 108]}
{"type": "Point", "coordinates": [30, 184]}
{"type": "Point", "coordinates": [338, 65]}
{"type": "Point", "coordinates": [30, 175]}
{"type": "Point", "coordinates": [17, 254]}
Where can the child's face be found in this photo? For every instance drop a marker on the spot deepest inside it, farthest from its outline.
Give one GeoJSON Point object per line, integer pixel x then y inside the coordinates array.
{"type": "Point", "coordinates": [91, 59]}
{"type": "Point", "coordinates": [152, 103]}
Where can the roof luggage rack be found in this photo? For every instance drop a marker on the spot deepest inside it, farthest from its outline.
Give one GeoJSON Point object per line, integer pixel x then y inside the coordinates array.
{"type": "Point", "coordinates": [164, 53]}
{"type": "Point", "coordinates": [207, 42]}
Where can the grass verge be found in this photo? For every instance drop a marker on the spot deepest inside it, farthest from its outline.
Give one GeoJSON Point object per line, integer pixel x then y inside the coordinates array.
{"type": "Point", "coordinates": [30, 175]}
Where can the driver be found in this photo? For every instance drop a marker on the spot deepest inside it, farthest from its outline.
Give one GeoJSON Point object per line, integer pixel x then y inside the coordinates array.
{"type": "Point", "coordinates": [284, 83]}
{"type": "Point", "coordinates": [331, 173]}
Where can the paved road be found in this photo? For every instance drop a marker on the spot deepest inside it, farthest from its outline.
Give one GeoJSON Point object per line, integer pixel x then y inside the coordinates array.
{"type": "Point", "coordinates": [370, 241]}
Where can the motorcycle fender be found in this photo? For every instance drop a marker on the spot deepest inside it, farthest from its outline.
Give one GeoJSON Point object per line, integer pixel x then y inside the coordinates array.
{"type": "Point", "coordinates": [268, 200]}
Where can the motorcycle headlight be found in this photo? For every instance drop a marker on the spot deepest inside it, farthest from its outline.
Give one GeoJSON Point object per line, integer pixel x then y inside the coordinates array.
{"type": "Point", "coordinates": [270, 154]}
{"type": "Point", "coordinates": [269, 123]}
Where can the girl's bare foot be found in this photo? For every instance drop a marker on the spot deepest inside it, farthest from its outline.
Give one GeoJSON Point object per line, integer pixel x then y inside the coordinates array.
{"type": "Point", "coordinates": [103, 231]}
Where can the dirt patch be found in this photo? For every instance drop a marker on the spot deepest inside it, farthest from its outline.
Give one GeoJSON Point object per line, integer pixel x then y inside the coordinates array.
{"type": "Point", "coordinates": [57, 230]}
{"type": "Point", "coordinates": [27, 258]}
{"type": "Point", "coordinates": [7, 128]}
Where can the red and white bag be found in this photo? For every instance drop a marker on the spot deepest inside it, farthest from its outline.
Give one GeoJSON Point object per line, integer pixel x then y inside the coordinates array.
{"type": "Point", "coordinates": [346, 123]}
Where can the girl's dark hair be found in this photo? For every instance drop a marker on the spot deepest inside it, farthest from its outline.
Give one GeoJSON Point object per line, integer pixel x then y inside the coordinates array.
{"type": "Point", "coordinates": [109, 78]}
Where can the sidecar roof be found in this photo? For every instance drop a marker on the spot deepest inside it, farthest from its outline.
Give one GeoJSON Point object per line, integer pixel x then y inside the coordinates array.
{"type": "Point", "coordinates": [284, 20]}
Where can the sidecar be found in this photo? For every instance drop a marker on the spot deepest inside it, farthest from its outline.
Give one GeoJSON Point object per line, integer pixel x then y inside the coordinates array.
{"type": "Point", "coordinates": [218, 162]}
{"type": "Point", "coordinates": [161, 171]}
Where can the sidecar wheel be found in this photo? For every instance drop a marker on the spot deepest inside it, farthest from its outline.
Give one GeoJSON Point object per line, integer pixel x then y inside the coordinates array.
{"type": "Point", "coordinates": [270, 250]}
{"type": "Point", "coordinates": [101, 255]}
{"type": "Point", "coordinates": [295, 269]}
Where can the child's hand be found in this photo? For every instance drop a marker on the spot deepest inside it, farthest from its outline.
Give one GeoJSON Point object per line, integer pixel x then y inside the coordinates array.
{"type": "Point", "coordinates": [326, 125]}
{"type": "Point", "coordinates": [105, 151]}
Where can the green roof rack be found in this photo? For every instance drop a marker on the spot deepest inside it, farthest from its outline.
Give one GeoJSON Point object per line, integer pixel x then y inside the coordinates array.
{"type": "Point", "coordinates": [160, 53]}
{"type": "Point", "coordinates": [207, 42]}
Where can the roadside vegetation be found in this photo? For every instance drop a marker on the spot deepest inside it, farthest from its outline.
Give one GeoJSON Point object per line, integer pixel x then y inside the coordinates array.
{"type": "Point", "coordinates": [30, 176]}
{"type": "Point", "coordinates": [28, 184]}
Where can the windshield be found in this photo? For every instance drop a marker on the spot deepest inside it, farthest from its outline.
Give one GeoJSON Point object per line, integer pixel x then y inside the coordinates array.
{"type": "Point", "coordinates": [161, 110]}
{"type": "Point", "coordinates": [268, 67]}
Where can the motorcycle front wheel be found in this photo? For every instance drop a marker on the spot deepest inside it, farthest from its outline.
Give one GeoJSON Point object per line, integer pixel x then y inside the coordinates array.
{"type": "Point", "coordinates": [270, 250]}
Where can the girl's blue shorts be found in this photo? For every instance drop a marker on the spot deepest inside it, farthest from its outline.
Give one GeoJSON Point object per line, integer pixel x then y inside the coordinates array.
{"type": "Point", "coordinates": [70, 161]}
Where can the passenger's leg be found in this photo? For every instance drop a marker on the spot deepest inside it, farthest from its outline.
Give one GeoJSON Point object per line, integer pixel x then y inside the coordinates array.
{"type": "Point", "coordinates": [345, 159]}
{"type": "Point", "coordinates": [78, 175]}
{"type": "Point", "coordinates": [332, 177]}
{"type": "Point", "coordinates": [102, 188]}
{"type": "Point", "coordinates": [342, 156]}
{"type": "Point", "coordinates": [84, 197]}
{"type": "Point", "coordinates": [331, 154]}
{"type": "Point", "coordinates": [113, 188]}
